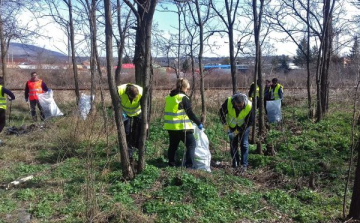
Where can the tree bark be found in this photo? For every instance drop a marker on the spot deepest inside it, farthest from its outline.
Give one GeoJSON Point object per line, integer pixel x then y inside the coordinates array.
{"type": "Point", "coordinates": [3, 50]}
{"type": "Point", "coordinates": [308, 82]}
{"type": "Point", "coordinates": [354, 211]}
{"type": "Point", "coordinates": [73, 56]}
{"type": "Point", "coordinates": [125, 163]}
{"type": "Point", "coordinates": [200, 57]}
{"type": "Point", "coordinates": [142, 60]}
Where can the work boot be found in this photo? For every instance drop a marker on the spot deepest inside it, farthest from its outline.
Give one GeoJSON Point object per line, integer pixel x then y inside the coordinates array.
{"type": "Point", "coordinates": [34, 118]}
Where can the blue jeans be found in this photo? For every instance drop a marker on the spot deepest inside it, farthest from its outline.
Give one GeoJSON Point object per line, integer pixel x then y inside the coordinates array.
{"type": "Point", "coordinates": [244, 145]}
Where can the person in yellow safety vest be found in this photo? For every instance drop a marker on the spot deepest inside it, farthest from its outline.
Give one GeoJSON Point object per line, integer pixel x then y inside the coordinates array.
{"type": "Point", "coordinates": [33, 87]}
{"type": "Point", "coordinates": [236, 117]}
{"type": "Point", "coordinates": [3, 106]}
{"type": "Point", "coordinates": [130, 96]}
{"type": "Point", "coordinates": [276, 90]}
{"type": "Point", "coordinates": [252, 92]}
{"type": "Point", "coordinates": [178, 121]}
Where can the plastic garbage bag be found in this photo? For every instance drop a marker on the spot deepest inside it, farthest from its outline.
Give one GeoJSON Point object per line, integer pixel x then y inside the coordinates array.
{"type": "Point", "coordinates": [202, 156]}
{"type": "Point", "coordinates": [273, 109]}
{"type": "Point", "coordinates": [84, 105]}
{"type": "Point", "coordinates": [49, 107]}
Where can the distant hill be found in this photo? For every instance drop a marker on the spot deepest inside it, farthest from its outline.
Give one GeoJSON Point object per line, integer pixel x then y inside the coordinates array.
{"type": "Point", "coordinates": [31, 52]}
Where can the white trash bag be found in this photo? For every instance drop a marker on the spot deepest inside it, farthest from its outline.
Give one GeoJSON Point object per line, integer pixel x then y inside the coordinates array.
{"type": "Point", "coordinates": [49, 107]}
{"type": "Point", "coordinates": [273, 109]}
{"type": "Point", "coordinates": [84, 105]}
{"type": "Point", "coordinates": [202, 156]}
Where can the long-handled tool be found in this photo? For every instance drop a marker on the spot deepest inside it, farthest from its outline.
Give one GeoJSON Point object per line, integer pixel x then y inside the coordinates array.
{"type": "Point", "coordinates": [10, 111]}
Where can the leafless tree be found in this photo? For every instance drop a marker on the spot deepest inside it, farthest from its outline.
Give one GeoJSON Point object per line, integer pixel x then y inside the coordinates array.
{"type": "Point", "coordinates": [354, 212]}
{"type": "Point", "coordinates": [123, 31]}
{"type": "Point", "coordinates": [67, 24]}
{"type": "Point", "coordinates": [125, 162]}
{"type": "Point", "coordinates": [144, 12]}
{"type": "Point", "coordinates": [200, 16]}
{"type": "Point", "coordinates": [228, 18]}
{"type": "Point", "coordinates": [10, 29]}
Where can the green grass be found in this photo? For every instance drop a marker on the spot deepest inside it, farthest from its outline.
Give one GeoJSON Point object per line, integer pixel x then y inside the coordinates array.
{"type": "Point", "coordinates": [274, 188]}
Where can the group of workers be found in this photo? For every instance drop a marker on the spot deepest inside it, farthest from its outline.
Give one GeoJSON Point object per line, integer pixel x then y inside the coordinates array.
{"type": "Point", "coordinates": [179, 118]}
{"type": "Point", "coordinates": [33, 87]}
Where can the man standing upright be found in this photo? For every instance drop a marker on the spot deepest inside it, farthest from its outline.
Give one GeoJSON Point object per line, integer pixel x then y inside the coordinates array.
{"type": "Point", "coordinates": [33, 87]}
{"type": "Point", "coordinates": [276, 90]}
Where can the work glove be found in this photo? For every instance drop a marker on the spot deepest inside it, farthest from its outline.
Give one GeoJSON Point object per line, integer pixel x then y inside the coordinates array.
{"type": "Point", "coordinates": [124, 115]}
{"type": "Point", "coordinates": [226, 128]}
{"type": "Point", "coordinates": [201, 126]}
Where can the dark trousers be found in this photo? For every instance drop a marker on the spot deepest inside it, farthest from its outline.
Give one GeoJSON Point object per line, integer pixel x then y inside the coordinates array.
{"type": "Point", "coordinates": [33, 104]}
{"type": "Point", "coordinates": [2, 119]}
{"type": "Point", "coordinates": [188, 139]}
{"type": "Point", "coordinates": [132, 127]}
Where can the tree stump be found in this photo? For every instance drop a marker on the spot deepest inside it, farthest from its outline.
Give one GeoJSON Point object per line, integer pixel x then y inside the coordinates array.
{"type": "Point", "coordinates": [270, 150]}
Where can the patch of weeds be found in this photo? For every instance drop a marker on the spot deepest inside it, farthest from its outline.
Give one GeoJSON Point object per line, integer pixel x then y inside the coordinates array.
{"type": "Point", "coordinates": [25, 194]}
{"type": "Point", "coordinates": [281, 200]}
{"type": "Point", "coordinates": [170, 212]}
{"type": "Point", "coordinates": [258, 161]}
{"type": "Point", "coordinates": [71, 168]}
{"type": "Point", "coordinates": [6, 204]}
{"type": "Point", "coordinates": [72, 190]}
{"type": "Point", "coordinates": [43, 209]}
{"type": "Point", "coordinates": [145, 180]}
{"type": "Point", "coordinates": [73, 208]}
{"type": "Point", "coordinates": [307, 196]}
{"type": "Point", "coordinates": [23, 169]}
{"type": "Point", "coordinates": [121, 193]}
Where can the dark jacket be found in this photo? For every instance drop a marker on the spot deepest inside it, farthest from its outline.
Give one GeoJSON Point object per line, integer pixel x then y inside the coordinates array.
{"type": "Point", "coordinates": [186, 105]}
{"type": "Point", "coordinates": [8, 92]}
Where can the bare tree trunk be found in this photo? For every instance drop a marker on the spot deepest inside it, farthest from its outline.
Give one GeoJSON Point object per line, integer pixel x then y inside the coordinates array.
{"type": "Point", "coordinates": [121, 41]}
{"type": "Point", "coordinates": [142, 60]}
{"type": "Point", "coordinates": [232, 58]}
{"type": "Point", "coordinates": [308, 83]}
{"type": "Point", "coordinates": [323, 68]}
{"type": "Point", "coordinates": [73, 57]}
{"type": "Point", "coordinates": [257, 73]}
{"type": "Point", "coordinates": [179, 41]}
{"type": "Point", "coordinates": [200, 57]}
{"type": "Point", "coordinates": [353, 146]}
{"type": "Point", "coordinates": [3, 50]}
{"type": "Point", "coordinates": [125, 162]}
{"type": "Point", "coordinates": [354, 211]}
{"type": "Point", "coordinates": [93, 31]}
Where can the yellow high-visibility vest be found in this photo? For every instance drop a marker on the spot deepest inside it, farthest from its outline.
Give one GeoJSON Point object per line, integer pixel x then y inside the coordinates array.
{"type": "Point", "coordinates": [275, 95]}
{"type": "Point", "coordinates": [175, 118]}
{"type": "Point", "coordinates": [130, 108]}
{"type": "Point", "coordinates": [257, 91]}
{"type": "Point", "coordinates": [231, 118]}
{"type": "Point", "coordinates": [2, 98]}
